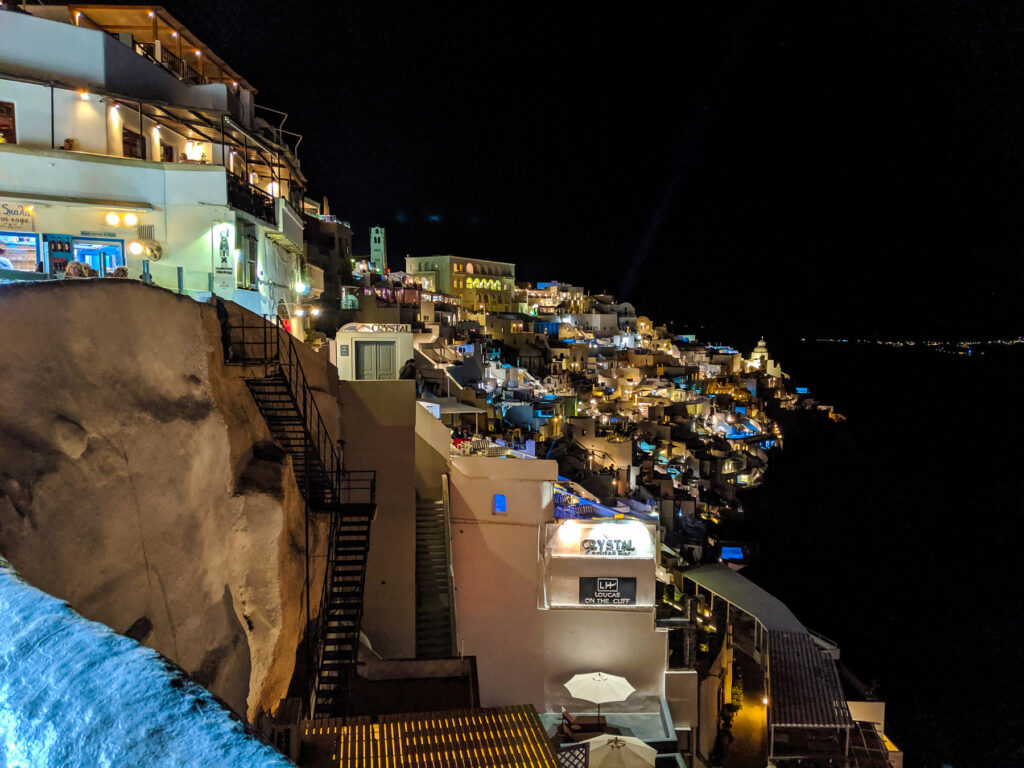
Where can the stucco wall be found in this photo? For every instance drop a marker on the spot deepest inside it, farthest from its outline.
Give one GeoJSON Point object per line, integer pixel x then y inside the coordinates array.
{"type": "Point", "coordinates": [496, 563]}
{"type": "Point", "coordinates": [378, 425]}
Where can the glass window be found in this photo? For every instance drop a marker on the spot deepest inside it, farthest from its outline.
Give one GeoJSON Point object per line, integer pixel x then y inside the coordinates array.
{"type": "Point", "coordinates": [133, 144]}
{"type": "Point", "coordinates": [18, 251]}
{"type": "Point", "coordinates": [7, 133]}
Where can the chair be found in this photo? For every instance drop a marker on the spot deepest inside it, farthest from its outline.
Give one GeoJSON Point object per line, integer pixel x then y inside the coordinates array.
{"type": "Point", "coordinates": [580, 723]}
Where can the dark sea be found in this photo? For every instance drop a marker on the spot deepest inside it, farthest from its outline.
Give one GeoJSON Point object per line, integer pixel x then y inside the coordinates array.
{"type": "Point", "coordinates": [898, 534]}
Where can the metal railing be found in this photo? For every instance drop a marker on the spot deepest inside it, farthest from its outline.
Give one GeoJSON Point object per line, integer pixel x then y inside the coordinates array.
{"type": "Point", "coordinates": [250, 199]}
{"type": "Point", "coordinates": [180, 69]}
{"type": "Point", "coordinates": [266, 344]}
{"type": "Point", "coordinates": [263, 344]}
{"type": "Point", "coordinates": [356, 487]}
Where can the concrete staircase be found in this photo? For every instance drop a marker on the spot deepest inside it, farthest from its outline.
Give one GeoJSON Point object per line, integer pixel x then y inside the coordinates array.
{"type": "Point", "coordinates": [434, 600]}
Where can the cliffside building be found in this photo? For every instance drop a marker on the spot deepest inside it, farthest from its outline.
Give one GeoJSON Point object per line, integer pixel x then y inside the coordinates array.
{"type": "Point", "coordinates": [127, 142]}
{"type": "Point", "coordinates": [482, 285]}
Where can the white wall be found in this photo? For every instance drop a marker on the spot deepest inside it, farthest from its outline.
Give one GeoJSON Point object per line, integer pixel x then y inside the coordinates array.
{"type": "Point", "coordinates": [91, 59]}
{"type": "Point", "coordinates": [347, 363]}
{"type": "Point", "coordinates": [496, 564]}
{"type": "Point", "coordinates": [378, 426]}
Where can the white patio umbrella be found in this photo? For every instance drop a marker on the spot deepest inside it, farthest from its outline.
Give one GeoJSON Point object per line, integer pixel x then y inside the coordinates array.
{"type": "Point", "coordinates": [599, 688]}
{"type": "Point", "coordinates": [611, 751]}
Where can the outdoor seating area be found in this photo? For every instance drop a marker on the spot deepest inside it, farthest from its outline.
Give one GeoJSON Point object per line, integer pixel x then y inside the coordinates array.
{"type": "Point", "coordinates": [581, 727]}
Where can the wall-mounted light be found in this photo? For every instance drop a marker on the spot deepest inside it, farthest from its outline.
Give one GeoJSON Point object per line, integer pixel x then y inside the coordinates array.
{"type": "Point", "coordinates": [301, 287]}
{"type": "Point", "coordinates": [135, 248]}
{"type": "Point", "coordinates": [130, 219]}
{"type": "Point", "coordinates": [234, 83]}
{"type": "Point", "coordinates": [300, 313]}
{"type": "Point", "coordinates": [112, 219]}
{"type": "Point", "coordinates": [315, 312]}
{"type": "Point", "coordinates": [174, 34]}
{"type": "Point", "coordinates": [198, 52]}
{"type": "Point", "coordinates": [150, 14]}
{"type": "Point", "coordinates": [83, 95]}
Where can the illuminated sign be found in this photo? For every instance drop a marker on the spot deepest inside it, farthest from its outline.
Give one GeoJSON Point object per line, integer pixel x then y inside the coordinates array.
{"type": "Point", "coordinates": [377, 328]}
{"type": "Point", "coordinates": [620, 539]}
{"type": "Point", "coordinates": [608, 547]}
{"type": "Point", "coordinates": [607, 590]}
{"type": "Point", "coordinates": [17, 216]}
{"type": "Point", "coordinates": [222, 241]}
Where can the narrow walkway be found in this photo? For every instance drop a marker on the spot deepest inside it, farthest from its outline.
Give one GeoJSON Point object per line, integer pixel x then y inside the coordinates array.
{"type": "Point", "coordinates": [749, 727]}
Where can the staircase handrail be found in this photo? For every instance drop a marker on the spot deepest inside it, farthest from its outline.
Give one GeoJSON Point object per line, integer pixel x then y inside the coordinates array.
{"type": "Point", "coordinates": [364, 480]}
{"type": "Point", "coordinates": [326, 451]}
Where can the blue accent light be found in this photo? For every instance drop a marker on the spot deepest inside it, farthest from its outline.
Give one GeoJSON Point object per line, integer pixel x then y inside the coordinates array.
{"type": "Point", "coordinates": [499, 505]}
{"type": "Point", "coordinates": [801, 390]}
{"type": "Point", "coordinates": [732, 553]}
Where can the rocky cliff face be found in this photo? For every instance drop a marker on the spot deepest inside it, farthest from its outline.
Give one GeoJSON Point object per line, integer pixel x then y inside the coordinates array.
{"type": "Point", "coordinates": [138, 482]}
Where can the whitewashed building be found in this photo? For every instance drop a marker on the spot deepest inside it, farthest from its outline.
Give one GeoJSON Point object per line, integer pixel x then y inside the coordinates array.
{"type": "Point", "coordinates": [126, 142]}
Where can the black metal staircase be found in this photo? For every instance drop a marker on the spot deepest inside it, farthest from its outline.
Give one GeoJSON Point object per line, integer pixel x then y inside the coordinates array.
{"type": "Point", "coordinates": [347, 498]}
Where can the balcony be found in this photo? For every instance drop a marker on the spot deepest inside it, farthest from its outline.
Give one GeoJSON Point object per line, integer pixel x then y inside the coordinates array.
{"type": "Point", "coordinates": [252, 200]}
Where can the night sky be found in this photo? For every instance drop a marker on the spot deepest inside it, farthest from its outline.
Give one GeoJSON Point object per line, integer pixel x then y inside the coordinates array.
{"type": "Point", "coordinates": [809, 168]}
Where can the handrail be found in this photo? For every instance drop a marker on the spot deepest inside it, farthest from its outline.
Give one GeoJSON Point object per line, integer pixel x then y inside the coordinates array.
{"type": "Point", "coordinates": [277, 352]}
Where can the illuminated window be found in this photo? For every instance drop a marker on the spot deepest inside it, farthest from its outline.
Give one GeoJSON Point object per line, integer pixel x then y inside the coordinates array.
{"type": "Point", "coordinates": [498, 505]}
{"type": "Point", "coordinates": [7, 133]}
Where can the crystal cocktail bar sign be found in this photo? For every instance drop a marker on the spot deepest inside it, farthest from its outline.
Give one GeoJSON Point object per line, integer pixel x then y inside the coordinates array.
{"type": "Point", "coordinates": [625, 539]}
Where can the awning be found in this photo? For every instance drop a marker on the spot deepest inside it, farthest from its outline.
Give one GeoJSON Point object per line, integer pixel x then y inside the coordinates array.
{"type": "Point", "coordinates": [34, 197]}
{"type": "Point", "coordinates": [805, 688]}
{"type": "Point", "coordinates": [459, 408]}
{"type": "Point", "coordinates": [746, 595]}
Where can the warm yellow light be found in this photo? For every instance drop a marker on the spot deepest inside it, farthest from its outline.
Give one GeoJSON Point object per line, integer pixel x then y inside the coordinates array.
{"type": "Point", "coordinates": [174, 34]}
{"type": "Point", "coordinates": [316, 312]}
{"type": "Point", "coordinates": [150, 14]}
{"type": "Point", "coordinates": [113, 219]}
{"type": "Point", "coordinates": [765, 701]}
{"type": "Point", "coordinates": [569, 532]}
{"type": "Point", "coordinates": [130, 219]}
{"type": "Point", "coordinates": [83, 95]}
{"type": "Point", "coordinates": [300, 312]}
{"type": "Point", "coordinates": [135, 248]}
{"type": "Point", "coordinates": [198, 52]}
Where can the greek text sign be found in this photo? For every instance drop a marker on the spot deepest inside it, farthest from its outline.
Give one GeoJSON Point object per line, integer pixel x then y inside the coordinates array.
{"type": "Point", "coordinates": [16, 216]}
{"type": "Point", "coordinates": [607, 590]}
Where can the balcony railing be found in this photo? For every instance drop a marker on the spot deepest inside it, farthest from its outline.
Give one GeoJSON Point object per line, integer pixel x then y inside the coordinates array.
{"type": "Point", "coordinates": [246, 197]}
{"type": "Point", "coordinates": [180, 69]}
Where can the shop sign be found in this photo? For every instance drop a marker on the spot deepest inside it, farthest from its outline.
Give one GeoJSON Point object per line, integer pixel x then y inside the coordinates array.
{"type": "Point", "coordinates": [97, 233]}
{"type": "Point", "coordinates": [625, 539]}
{"type": "Point", "coordinates": [608, 547]}
{"type": "Point", "coordinates": [343, 350]}
{"type": "Point", "coordinates": [377, 328]}
{"type": "Point", "coordinates": [15, 216]}
{"type": "Point", "coordinates": [607, 590]}
{"type": "Point", "coordinates": [223, 241]}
